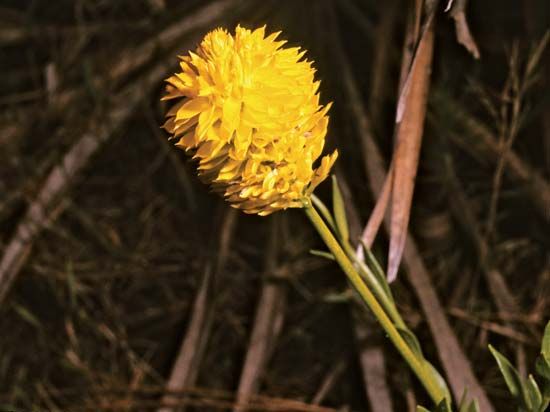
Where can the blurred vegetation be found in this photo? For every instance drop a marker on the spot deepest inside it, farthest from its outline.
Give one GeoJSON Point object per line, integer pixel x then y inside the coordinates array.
{"type": "Point", "coordinates": [106, 284]}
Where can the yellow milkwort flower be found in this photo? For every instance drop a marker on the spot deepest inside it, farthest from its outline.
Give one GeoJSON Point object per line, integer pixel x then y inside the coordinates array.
{"type": "Point", "coordinates": [249, 113]}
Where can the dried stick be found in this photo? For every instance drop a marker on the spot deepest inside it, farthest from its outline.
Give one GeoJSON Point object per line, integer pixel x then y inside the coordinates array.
{"type": "Point", "coordinates": [186, 366]}
{"type": "Point", "coordinates": [329, 381]}
{"type": "Point", "coordinates": [453, 359]}
{"type": "Point", "coordinates": [373, 366]}
{"type": "Point", "coordinates": [463, 34]}
{"type": "Point", "coordinates": [503, 330]}
{"type": "Point", "coordinates": [381, 206]}
{"type": "Point", "coordinates": [373, 358]}
{"type": "Point", "coordinates": [267, 325]}
{"type": "Point", "coordinates": [377, 215]}
{"type": "Point", "coordinates": [411, 113]}
{"type": "Point", "coordinates": [214, 400]}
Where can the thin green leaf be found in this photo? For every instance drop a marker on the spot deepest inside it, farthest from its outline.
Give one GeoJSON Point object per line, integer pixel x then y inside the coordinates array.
{"type": "Point", "coordinates": [322, 254]}
{"type": "Point", "coordinates": [542, 366]}
{"type": "Point", "coordinates": [323, 210]}
{"type": "Point", "coordinates": [341, 297]}
{"type": "Point", "coordinates": [543, 369]}
{"type": "Point", "coordinates": [443, 406]}
{"type": "Point", "coordinates": [463, 404]}
{"type": "Point", "coordinates": [545, 394]}
{"type": "Point", "coordinates": [339, 210]}
{"type": "Point", "coordinates": [382, 293]}
{"type": "Point", "coordinates": [533, 392]}
{"type": "Point", "coordinates": [412, 341]}
{"type": "Point", "coordinates": [474, 406]}
{"type": "Point", "coordinates": [511, 376]}
{"type": "Point", "coordinates": [442, 385]}
{"type": "Point", "coordinates": [467, 405]}
{"type": "Point", "coordinates": [26, 315]}
{"type": "Point", "coordinates": [545, 347]}
{"type": "Point", "coordinates": [376, 269]}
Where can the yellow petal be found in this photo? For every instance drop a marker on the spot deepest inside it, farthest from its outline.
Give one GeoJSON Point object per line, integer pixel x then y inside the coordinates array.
{"type": "Point", "coordinates": [322, 171]}
{"type": "Point", "coordinates": [231, 114]}
{"type": "Point", "coordinates": [192, 107]}
{"type": "Point", "coordinates": [206, 120]}
{"type": "Point", "coordinates": [187, 141]}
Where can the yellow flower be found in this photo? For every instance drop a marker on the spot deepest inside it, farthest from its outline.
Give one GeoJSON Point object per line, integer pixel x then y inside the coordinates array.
{"type": "Point", "coordinates": [249, 113]}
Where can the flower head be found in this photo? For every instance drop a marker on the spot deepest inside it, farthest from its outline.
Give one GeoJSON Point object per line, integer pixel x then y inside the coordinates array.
{"type": "Point", "coordinates": [248, 111]}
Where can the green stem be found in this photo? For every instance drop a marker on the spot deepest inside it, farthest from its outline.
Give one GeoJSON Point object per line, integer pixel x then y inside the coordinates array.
{"type": "Point", "coordinates": [368, 297]}
{"type": "Point", "coordinates": [371, 280]}
{"type": "Point", "coordinates": [377, 290]}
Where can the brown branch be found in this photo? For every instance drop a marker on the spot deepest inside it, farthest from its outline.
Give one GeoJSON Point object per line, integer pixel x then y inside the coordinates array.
{"type": "Point", "coordinates": [378, 214]}
{"type": "Point", "coordinates": [411, 113]}
{"type": "Point", "coordinates": [267, 324]}
{"type": "Point", "coordinates": [494, 327]}
{"type": "Point", "coordinates": [481, 140]}
{"type": "Point", "coordinates": [463, 34]}
{"type": "Point", "coordinates": [373, 364]}
{"type": "Point", "coordinates": [112, 397]}
{"type": "Point", "coordinates": [328, 383]}
{"type": "Point", "coordinates": [381, 205]}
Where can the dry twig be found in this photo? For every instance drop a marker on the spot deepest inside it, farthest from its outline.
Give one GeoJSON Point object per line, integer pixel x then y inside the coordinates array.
{"type": "Point", "coordinates": [267, 325]}
{"type": "Point", "coordinates": [463, 35]}
{"type": "Point", "coordinates": [411, 112]}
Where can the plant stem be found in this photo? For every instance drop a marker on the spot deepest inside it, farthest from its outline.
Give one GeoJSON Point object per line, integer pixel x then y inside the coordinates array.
{"type": "Point", "coordinates": [369, 299]}
{"type": "Point", "coordinates": [372, 283]}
